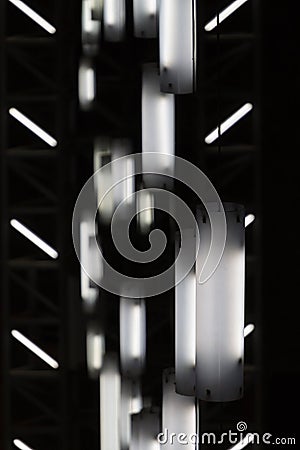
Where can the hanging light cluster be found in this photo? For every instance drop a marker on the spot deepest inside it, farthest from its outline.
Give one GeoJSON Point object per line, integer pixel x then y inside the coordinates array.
{"type": "Point", "coordinates": [209, 316]}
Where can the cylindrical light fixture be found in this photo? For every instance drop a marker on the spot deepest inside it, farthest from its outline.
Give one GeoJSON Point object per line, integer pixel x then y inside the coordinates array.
{"type": "Point", "coordinates": [220, 311]}
{"type": "Point", "coordinates": [177, 49]}
{"type": "Point", "coordinates": [145, 210]}
{"type": "Point", "coordinates": [132, 336]}
{"type": "Point", "coordinates": [110, 403]}
{"type": "Point", "coordinates": [86, 83]}
{"type": "Point", "coordinates": [145, 18]}
{"type": "Point", "coordinates": [158, 129]}
{"type": "Point", "coordinates": [185, 319]}
{"type": "Point", "coordinates": [145, 429]}
{"type": "Point", "coordinates": [178, 415]}
{"type": "Point", "coordinates": [114, 20]}
{"type": "Point", "coordinates": [95, 349]}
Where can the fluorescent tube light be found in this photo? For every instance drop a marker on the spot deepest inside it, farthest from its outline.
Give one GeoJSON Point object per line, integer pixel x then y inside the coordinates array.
{"type": "Point", "coordinates": [249, 219]}
{"type": "Point", "coordinates": [34, 238]}
{"type": "Point", "coordinates": [244, 442]}
{"type": "Point", "coordinates": [35, 349]}
{"type": "Point", "coordinates": [33, 15]}
{"type": "Point", "coordinates": [249, 329]}
{"type": "Point", "coordinates": [232, 120]}
{"type": "Point", "coordinates": [224, 14]}
{"type": "Point", "coordinates": [33, 127]}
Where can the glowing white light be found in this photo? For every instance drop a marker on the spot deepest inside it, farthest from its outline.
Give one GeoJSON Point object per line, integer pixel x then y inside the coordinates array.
{"type": "Point", "coordinates": [177, 50]}
{"type": "Point", "coordinates": [244, 442]}
{"type": "Point", "coordinates": [110, 403]}
{"type": "Point", "coordinates": [145, 18]}
{"type": "Point", "coordinates": [90, 28]}
{"type": "Point", "coordinates": [18, 443]}
{"type": "Point", "coordinates": [158, 129]}
{"type": "Point", "coordinates": [249, 329]}
{"type": "Point", "coordinates": [35, 349]}
{"type": "Point", "coordinates": [145, 210]}
{"type": "Point", "coordinates": [132, 336]}
{"type": "Point", "coordinates": [249, 219]}
{"type": "Point", "coordinates": [185, 318]}
{"type": "Point", "coordinates": [33, 127]}
{"type": "Point", "coordinates": [220, 310]}
{"type": "Point", "coordinates": [224, 14]}
{"type": "Point", "coordinates": [136, 397]}
{"type": "Point", "coordinates": [95, 349]}
{"type": "Point", "coordinates": [114, 19]}
{"type": "Point", "coordinates": [86, 83]}
{"type": "Point", "coordinates": [34, 16]}
{"type": "Point", "coordinates": [34, 238]}
{"type": "Point", "coordinates": [232, 120]}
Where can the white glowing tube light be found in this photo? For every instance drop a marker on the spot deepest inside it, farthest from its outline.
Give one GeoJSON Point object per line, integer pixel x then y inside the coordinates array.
{"type": "Point", "coordinates": [224, 14]}
{"type": "Point", "coordinates": [178, 413]}
{"type": "Point", "coordinates": [249, 219]}
{"type": "Point", "coordinates": [249, 329]}
{"type": "Point", "coordinates": [185, 320]}
{"type": "Point", "coordinates": [230, 122]}
{"type": "Point", "coordinates": [145, 429]}
{"type": "Point", "coordinates": [35, 349]}
{"type": "Point", "coordinates": [20, 444]}
{"type": "Point", "coordinates": [86, 83]}
{"type": "Point", "coordinates": [110, 403]}
{"type": "Point", "coordinates": [102, 181]}
{"type": "Point", "coordinates": [90, 259]}
{"type": "Point", "coordinates": [145, 18]}
{"type": "Point", "coordinates": [220, 311]}
{"type": "Point", "coordinates": [34, 238]}
{"type": "Point", "coordinates": [95, 350]}
{"type": "Point", "coordinates": [145, 209]}
{"type": "Point", "coordinates": [90, 28]}
{"type": "Point", "coordinates": [122, 173]}
{"type": "Point", "coordinates": [35, 129]}
{"type": "Point", "coordinates": [177, 45]}
{"type": "Point", "coordinates": [33, 16]}
{"type": "Point", "coordinates": [249, 439]}
{"type": "Point", "coordinates": [158, 129]}
{"type": "Point", "coordinates": [132, 336]}
{"type": "Point", "coordinates": [114, 20]}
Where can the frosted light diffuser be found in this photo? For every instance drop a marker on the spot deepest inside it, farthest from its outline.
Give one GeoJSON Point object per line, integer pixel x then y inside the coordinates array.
{"type": "Point", "coordinates": [185, 320]}
{"type": "Point", "coordinates": [110, 403]}
{"type": "Point", "coordinates": [33, 16]}
{"type": "Point", "coordinates": [220, 311]}
{"type": "Point", "coordinates": [86, 83]}
{"type": "Point", "coordinates": [232, 120]}
{"type": "Point", "coordinates": [20, 117]}
{"type": "Point", "coordinates": [95, 349]}
{"type": "Point", "coordinates": [158, 129]}
{"type": "Point", "coordinates": [132, 336]}
{"type": "Point", "coordinates": [114, 20]}
{"type": "Point", "coordinates": [35, 349]}
{"type": "Point", "coordinates": [34, 238]}
{"type": "Point", "coordinates": [178, 413]}
{"type": "Point", "coordinates": [177, 48]}
{"type": "Point", "coordinates": [224, 14]}
{"type": "Point", "coordinates": [145, 18]}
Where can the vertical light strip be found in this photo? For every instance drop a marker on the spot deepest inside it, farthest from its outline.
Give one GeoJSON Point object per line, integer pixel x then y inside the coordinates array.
{"type": "Point", "coordinates": [114, 20]}
{"type": "Point", "coordinates": [220, 310]}
{"type": "Point", "coordinates": [90, 259]}
{"type": "Point", "coordinates": [33, 16]}
{"type": "Point", "coordinates": [177, 63]}
{"type": "Point", "coordinates": [158, 130]}
{"type": "Point", "coordinates": [35, 349]}
{"type": "Point", "coordinates": [132, 336]}
{"type": "Point", "coordinates": [185, 318]}
{"type": "Point", "coordinates": [34, 238]}
{"type": "Point", "coordinates": [35, 129]}
{"type": "Point", "coordinates": [145, 18]}
{"type": "Point", "coordinates": [145, 210]}
{"type": "Point", "coordinates": [86, 83]}
{"type": "Point", "coordinates": [95, 349]}
{"type": "Point", "coordinates": [224, 14]}
{"type": "Point", "coordinates": [20, 444]}
{"type": "Point", "coordinates": [110, 403]}
{"type": "Point", "coordinates": [232, 120]}
{"type": "Point", "coordinates": [178, 413]}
